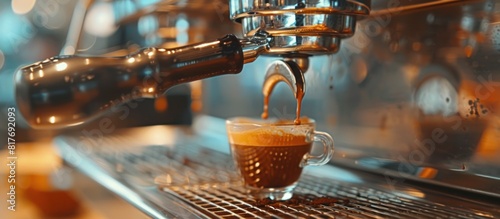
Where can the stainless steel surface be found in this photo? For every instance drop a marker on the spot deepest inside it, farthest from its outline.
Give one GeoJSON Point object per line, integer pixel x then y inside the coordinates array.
{"type": "Point", "coordinates": [414, 92]}
{"type": "Point", "coordinates": [254, 46]}
{"type": "Point", "coordinates": [300, 27]}
{"type": "Point", "coordinates": [189, 174]}
{"type": "Point", "coordinates": [319, 197]}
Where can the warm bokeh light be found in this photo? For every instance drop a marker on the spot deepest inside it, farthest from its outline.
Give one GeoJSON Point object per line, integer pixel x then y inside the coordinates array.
{"type": "Point", "coordinates": [22, 6]}
{"type": "Point", "coordinates": [437, 96]}
{"type": "Point", "coordinates": [161, 104]}
{"type": "Point", "coordinates": [427, 173]}
{"type": "Point", "coordinates": [52, 119]}
{"type": "Point", "coordinates": [196, 96]}
{"type": "Point", "coordinates": [100, 20]}
{"type": "Point", "coordinates": [61, 66]}
{"type": "Point", "coordinates": [468, 51]}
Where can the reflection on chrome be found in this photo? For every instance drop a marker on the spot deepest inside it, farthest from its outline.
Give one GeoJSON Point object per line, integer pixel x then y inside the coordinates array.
{"type": "Point", "coordinates": [61, 66]}
{"type": "Point", "coordinates": [437, 96]}
{"type": "Point", "coordinates": [312, 28]}
{"type": "Point", "coordinates": [76, 91]}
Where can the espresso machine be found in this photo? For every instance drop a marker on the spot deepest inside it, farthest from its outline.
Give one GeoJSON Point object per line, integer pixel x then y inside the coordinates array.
{"type": "Point", "coordinates": [407, 88]}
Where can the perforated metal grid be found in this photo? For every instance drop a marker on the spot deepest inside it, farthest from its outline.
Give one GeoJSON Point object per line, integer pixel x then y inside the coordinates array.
{"type": "Point", "coordinates": [206, 181]}
{"type": "Point", "coordinates": [316, 200]}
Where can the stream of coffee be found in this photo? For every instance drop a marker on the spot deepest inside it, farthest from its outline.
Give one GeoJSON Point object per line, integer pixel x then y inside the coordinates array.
{"type": "Point", "coordinates": [298, 96]}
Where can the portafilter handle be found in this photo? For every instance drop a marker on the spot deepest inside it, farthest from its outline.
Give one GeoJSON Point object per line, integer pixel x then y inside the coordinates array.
{"type": "Point", "coordinates": [70, 90]}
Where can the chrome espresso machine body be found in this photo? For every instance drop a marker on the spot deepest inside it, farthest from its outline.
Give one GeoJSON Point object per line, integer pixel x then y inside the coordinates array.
{"type": "Point", "coordinates": [408, 90]}
{"type": "Point", "coordinates": [412, 94]}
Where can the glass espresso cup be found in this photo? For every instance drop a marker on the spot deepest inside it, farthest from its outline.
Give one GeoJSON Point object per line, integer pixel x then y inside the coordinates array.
{"type": "Point", "coordinates": [270, 154]}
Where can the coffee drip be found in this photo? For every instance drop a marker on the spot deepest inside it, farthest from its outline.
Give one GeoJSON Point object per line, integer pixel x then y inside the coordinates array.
{"type": "Point", "coordinates": [287, 71]}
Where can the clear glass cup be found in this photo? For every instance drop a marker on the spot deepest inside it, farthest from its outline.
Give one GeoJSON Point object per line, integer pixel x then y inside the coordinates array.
{"type": "Point", "coordinates": [270, 154]}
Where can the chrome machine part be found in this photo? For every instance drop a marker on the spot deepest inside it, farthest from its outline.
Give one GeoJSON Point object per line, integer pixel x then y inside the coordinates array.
{"type": "Point", "coordinates": [412, 70]}
{"type": "Point", "coordinates": [254, 46]}
{"type": "Point", "coordinates": [66, 91]}
{"type": "Point", "coordinates": [285, 71]}
{"type": "Point", "coordinates": [303, 27]}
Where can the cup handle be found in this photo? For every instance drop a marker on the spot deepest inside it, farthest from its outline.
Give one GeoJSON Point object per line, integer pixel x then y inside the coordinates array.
{"type": "Point", "coordinates": [328, 149]}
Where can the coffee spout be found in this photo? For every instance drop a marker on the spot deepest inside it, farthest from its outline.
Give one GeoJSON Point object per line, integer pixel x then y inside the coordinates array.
{"type": "Point", "coordinates": [70, 90]}
{"type": "Point", "coordinates": [287, 71]}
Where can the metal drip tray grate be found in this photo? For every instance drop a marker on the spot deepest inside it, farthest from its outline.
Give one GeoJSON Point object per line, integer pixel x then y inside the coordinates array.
{"type": "Point", "coordinates": [170, 172]}
{"type": "Point", "coordinates": [314, 200]}
{"type": "Point", "coordinates": [207, 183]}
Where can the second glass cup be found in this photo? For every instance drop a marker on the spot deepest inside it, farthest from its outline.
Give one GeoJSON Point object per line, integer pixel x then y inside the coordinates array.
{"type": "Point", "coordinates": [270, 154]}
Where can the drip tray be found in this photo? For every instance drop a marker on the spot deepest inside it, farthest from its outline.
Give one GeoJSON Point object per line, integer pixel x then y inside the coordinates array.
{"type": "Point", "coordinates": [189, 180]}
{"type": "Point", "coordinates": [313, 200]}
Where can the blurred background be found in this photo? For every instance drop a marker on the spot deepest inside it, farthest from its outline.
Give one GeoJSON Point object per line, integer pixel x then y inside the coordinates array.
{"type": "Point", "coordinates": [35, 30]}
